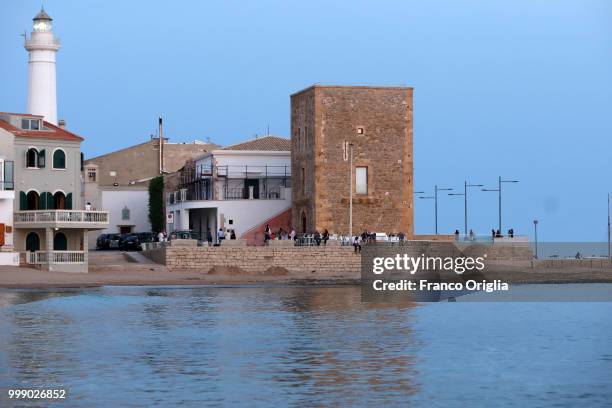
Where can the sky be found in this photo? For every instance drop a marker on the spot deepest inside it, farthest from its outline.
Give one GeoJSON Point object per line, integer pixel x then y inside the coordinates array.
{"type": "Point", "coordinates": [520, 89]}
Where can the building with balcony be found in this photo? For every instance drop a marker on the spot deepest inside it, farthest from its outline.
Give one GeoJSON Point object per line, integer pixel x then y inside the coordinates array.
{"type": "Point", "coordinates": [50, 225]}
{"type": "Point", "coordinates": [237, 188]}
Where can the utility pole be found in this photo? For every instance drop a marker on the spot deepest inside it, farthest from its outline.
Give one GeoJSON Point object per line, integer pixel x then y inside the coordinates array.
{"type": "Point", "coordinates": [161, 147]}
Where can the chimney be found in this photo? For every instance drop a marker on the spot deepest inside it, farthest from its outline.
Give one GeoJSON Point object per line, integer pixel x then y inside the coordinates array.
{"type": "Point", "coordinates": [62, 124]}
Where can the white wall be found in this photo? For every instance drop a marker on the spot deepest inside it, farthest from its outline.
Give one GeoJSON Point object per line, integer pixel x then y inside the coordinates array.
{"type": "Point", "coordinates": [6, 213]}
{"type": "Point", "coordinates": [245, 214]}
{"type": "Point", "coordinates": [113, 201]}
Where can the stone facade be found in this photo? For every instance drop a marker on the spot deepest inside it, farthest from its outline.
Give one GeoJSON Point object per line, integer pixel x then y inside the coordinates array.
{"type": "Point", "coordinates": [141, 161]}
{"type": "Point", "coordinates": [377, 121]}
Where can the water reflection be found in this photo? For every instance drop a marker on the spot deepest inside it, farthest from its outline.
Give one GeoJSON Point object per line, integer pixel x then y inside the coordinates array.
{"type": "Point", "coordinates": [294, 346]}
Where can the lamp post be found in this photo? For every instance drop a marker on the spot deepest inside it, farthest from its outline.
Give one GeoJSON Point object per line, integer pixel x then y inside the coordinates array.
{"type": "Point", "coordinates": [351, 190]}
{"type": "Point", "coordinates": [435, 198]}
{"type": "Point", "coordinates": [609, 254]}
{"type": "Point", "coordinates": [499, 190]}
{"type": "Point", "coordinates": [535, 228]}
{"type": "Point", "coordinates": [465, 202]}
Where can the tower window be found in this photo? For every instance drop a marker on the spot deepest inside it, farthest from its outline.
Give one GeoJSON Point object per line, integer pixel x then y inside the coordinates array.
{"type": "Point", "coordinates": [361, 180]}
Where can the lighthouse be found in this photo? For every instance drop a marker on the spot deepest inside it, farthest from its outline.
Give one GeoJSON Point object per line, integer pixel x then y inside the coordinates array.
{"type": "Point", "coordinates": [42, 47]}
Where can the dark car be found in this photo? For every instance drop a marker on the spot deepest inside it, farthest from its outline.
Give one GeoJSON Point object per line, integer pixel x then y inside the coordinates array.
{"type": "Point", "coordinates": [146, 237]}
{"type": "Point", "coordinates": [130, 242]}
{"type": "Point", "coordinates": [108, 241]}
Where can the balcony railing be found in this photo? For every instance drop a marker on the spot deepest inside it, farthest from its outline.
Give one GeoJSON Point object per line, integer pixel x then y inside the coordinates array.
{"type": "Point", "coordinates": [59, 257]}
{"type": "Point", "coordinates": [61, 216]}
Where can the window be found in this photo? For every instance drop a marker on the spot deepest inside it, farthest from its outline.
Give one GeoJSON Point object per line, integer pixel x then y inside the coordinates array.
{"type": "Point", "coordinates": [303, 180]}
{"type": "Point", "coordinates": [361, 180]}
{"type": "Point", "coordinates": [30, 124]}
{"type": "Point", "coordinates": [125, 213]}
{"type": "Point", "coordinates": [32, 158]}
{"type": "Point", "coordinates": [91, 175]}
{"type": "Point", "coordinates": [59, 159]}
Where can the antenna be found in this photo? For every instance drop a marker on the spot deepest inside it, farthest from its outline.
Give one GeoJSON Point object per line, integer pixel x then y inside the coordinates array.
{"type": "Point", "coordinates": [268, 129]}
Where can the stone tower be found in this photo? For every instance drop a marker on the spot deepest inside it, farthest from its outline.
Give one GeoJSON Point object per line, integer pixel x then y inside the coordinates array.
{"type": "Point", "coordinates": [375, 123]}
{"type": "Point", "coordinates": [42, 47]}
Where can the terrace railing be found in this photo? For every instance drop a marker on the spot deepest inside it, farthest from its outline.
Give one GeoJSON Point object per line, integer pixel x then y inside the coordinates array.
{"type": "Point", "coordinates": [59, 257]}
{"type": "Point", "coordinates": [63, 216]}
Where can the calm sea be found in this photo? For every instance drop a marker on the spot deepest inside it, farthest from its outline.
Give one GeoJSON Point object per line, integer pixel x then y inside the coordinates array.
{"type": "Point", "coordinates": [300, 346]}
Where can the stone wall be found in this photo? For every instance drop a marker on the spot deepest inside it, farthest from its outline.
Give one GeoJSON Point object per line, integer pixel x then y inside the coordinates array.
{"type": "Point", "coordinates": [319, 259]}
{"type": "Point", "coordinates": [255, 260]}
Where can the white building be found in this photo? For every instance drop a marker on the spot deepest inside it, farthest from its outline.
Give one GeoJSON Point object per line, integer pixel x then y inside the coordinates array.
{"type": "Point", "coordinates": [7, 196]}
{"type": "Point", "coordinates": [236, 188]}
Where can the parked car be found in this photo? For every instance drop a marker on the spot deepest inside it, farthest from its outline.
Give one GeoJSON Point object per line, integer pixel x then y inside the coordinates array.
{"type": "Point", "coordinates": [130, 242]}
{"type": "Point", "coordinates": [108, 241]}
{"type": "Point", "coordinates": [146, 237]}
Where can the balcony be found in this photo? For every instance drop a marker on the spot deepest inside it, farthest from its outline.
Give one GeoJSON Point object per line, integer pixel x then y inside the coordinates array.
{"type": "Point", "coordinates": [233, 183]}
{"type": "Point", "coordinates": [59, 257]}
{"type": "Point", "coordinates": [61, 219]}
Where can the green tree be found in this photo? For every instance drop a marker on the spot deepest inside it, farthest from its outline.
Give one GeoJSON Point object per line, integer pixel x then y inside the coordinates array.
{"type": "Point", "coordinates": [156, 204]}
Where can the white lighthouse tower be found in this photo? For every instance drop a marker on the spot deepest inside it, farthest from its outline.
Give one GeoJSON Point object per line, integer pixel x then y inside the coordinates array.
{"type": "Point", "coordinates": [42, 46]}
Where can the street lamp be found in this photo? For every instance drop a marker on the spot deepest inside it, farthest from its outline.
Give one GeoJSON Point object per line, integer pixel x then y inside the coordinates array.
{"type": "Point", "coordinates": [499, 190]}
{"type": "Point", "coordinates": [609, 255]}
{"type": "Point", "coordinates": [535, 227]}
{"type": "Point", "coordinates": [435, 198]}
{"type": "Point", "coordinates": [465, 202]}
{"type": "Point", "coordinates": [351, 190]}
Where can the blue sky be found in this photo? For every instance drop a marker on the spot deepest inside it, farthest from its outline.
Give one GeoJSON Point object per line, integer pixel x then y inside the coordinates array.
{"type": "Point", "coordinates": [519, 88]}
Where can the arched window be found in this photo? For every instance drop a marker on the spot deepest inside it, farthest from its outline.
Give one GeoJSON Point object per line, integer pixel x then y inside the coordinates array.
{"type": "Point", "coordinates": [60, 242]}
{"type": "Point", "coordinates": [59, 201]}
{"type": "Point", "coordinates": [32, 158]}
{"type": "Point", "coordinates": [59, 159]}
{"type": "Point", "coordinates": [32, 242]}
{"type": "Point", "coordinates": [33, 200]}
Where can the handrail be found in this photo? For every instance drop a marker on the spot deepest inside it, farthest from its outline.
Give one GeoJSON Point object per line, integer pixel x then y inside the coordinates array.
{"type": "Point", "coordinates": [59, 257]}
{"type": "Point", "coordinates": [66, 216]}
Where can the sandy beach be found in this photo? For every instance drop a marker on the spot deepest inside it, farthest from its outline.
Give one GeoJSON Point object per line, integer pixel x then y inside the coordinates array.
{"type": "Point", "coordinates": [133, 274]}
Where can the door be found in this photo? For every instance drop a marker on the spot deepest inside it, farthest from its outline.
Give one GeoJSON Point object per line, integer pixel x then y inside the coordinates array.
{"type": "Point", "coordinates": [125, 230]}
{"type": "Point", "coordinates": [32, 242]}
{"type": "Point", "coordinates": [251, 183]}
{"type": "Point", "coordinates": [60, 242]}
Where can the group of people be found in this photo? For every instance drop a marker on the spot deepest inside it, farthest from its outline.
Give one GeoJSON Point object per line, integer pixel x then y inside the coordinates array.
{"type": "Point", "coordinates": [494, 234]}
{"type": "Point", "coordinates": [498, 234]}
{"type": "Point", "coordinates": [280, 234]}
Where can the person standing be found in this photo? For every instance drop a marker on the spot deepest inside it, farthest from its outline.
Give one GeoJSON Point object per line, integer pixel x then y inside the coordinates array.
{"type": "Point", "coordinates": [209, 237]}
{"type": "Point", "coordinates": [221, 235]}
{"type": "Point", "coordinates": [267, 234]}
{"type": "Point", "coordinates": [325, 236]}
